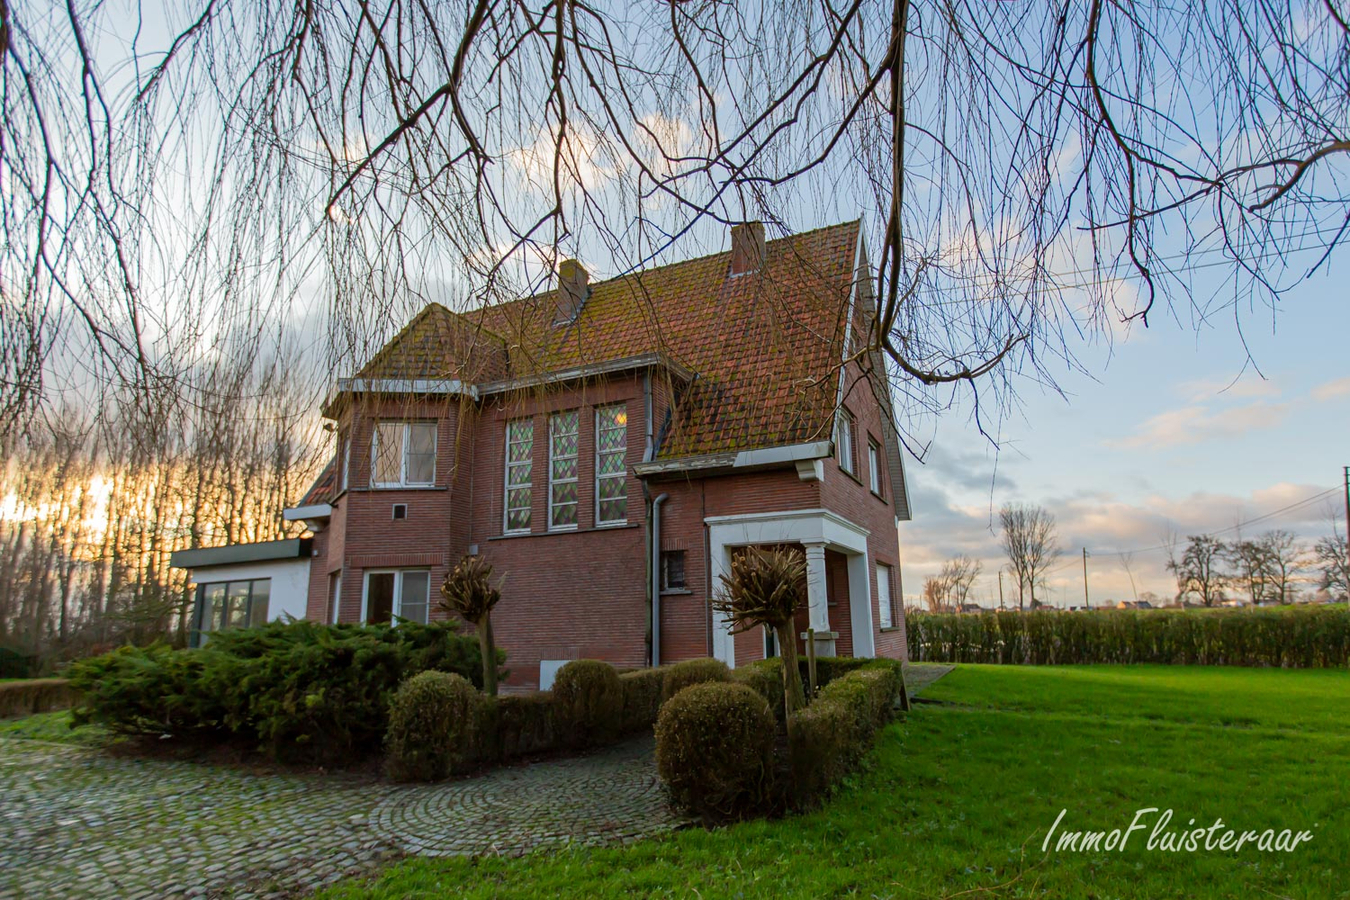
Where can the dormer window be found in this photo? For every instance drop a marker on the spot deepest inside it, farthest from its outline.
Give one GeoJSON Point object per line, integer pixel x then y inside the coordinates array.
{"type": "Point", "coordinates": [403, 454]}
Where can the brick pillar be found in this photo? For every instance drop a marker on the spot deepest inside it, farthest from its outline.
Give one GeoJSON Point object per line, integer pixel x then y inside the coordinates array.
{"type": "Point", "coordinates": [817, 599]}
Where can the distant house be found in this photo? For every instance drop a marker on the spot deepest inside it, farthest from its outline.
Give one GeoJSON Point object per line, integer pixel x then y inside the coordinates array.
{"type": "Point", "coordinates": [610, 446]}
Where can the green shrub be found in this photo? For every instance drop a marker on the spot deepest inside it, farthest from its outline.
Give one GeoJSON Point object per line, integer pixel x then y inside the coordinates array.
{"type": "Point", "coordinates": [641, 698]}
{"type": "Point", "coordinates": [524, 724]}
{"type": "Point", "coordinates": [714, 750]}
{"type": "Point", "coordinates": [828, 738]}
{"type": "Point", "coordinates": [35, 695]}
{"type": "Point", "coordinates": [764, 677]}
{"type": "Point", "coordinates": [437, 727]}
{"type": "Point", "coordinates": [690, 672]}
{"type": "Point", "coordinates": [151, 690]}
{"type": "Point", "coordinates": [587, 704]}
{"type": "Point", "coordinates": [300, 690]}
{"type": "Point", "coordinates": [1291, 637]}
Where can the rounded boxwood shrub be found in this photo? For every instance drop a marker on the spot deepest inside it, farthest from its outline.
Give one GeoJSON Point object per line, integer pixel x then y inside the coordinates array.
{"type": "Point", "coordinates": [765, 676]}
{"type": "Point", "coordinates": [436, 727]}
{"type": "Point", "coordinates": [587, 703]}
{"type": "Point", "coordinates": [714, 750]}
{"type": "Point", "coordinates": [690, 672]}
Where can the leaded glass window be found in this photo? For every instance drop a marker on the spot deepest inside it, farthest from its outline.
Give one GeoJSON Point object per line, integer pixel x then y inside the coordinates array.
{"type": "Point", "coordinates": [519, 474]}
{"type": "Point", "coordinates": [611, 472]}
{"type": "Point", "coordinates": [562, 476]}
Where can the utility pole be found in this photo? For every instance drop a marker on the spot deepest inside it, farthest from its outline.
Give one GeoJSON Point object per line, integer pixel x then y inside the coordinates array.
{"type": "Point", "coordinates": [1086, 602]}
{"type": "Point", "coordinates": [1347, 509]}
{"type": "Point", "coordinates": [1000, 587]}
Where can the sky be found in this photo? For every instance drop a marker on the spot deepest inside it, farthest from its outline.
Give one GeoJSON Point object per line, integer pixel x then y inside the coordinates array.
{"type": "Point", "coordinates": [1176, 430]}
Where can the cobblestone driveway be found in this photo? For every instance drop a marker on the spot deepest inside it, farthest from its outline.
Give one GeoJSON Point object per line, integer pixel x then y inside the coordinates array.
{"type": "Point", "coordinates": [76, 823]}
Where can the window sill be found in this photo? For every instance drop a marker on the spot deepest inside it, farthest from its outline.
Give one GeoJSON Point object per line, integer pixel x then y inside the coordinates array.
{"type": "Point", "coordinates": [675, 592]}
{"type": "Point", "coordinates": [851, 476]}
{"type": "Point", "coordinates": [889, 630]}
{"type": "Point", "coordinates": [879, 497]}
{"type": "Point", "coordinates": [381, 488]}
{"type": "Point", "coordinates": [542, 534]}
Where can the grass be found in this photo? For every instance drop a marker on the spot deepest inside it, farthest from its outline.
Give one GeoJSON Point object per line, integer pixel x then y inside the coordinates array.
{"type": "Point", "coordinates": [52, 726]}
{"type": "Point", "coordinates": [960, 796]}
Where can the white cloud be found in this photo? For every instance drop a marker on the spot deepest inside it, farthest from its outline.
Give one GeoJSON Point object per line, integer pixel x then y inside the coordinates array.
{"type": "Point", "coordinates": [1197, 424]}
{"type": "Point", "coordinates": [1330, 390]}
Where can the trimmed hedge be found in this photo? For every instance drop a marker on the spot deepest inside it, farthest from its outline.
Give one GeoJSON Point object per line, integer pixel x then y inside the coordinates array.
{"type": "Point", "coordinates": [765, 677]}
{"type": "Point", "coordinates": [587, 704]}
{"type": "Point", "coordinates": [1289, 637]}
{"type": "Point", "coordinates": [714, 750]}
{"type": "Point", "coordinates": [524, 724]}
{"type": "Point", "coordinates": [828, 738]}
{"type": "Point", "coordinates": [299, 690]}
{"type": "Point", "coordinates": [690, 672]}
{"type": "Point", "coordinates": [35, 695]}
{"type": "Point", "coordinates": [438, 726]}
{"type": "Point", "coordinates": [641, 697]}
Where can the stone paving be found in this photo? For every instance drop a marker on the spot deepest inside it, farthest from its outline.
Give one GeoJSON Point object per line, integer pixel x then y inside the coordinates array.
{"type": "Point", "coordinates": [80, 823]}
{"type": "Point", "coordinates": [75, 822]}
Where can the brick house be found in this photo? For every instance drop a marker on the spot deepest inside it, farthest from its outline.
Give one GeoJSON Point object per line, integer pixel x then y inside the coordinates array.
{"type": "Point", "coordinates": [607, 447]}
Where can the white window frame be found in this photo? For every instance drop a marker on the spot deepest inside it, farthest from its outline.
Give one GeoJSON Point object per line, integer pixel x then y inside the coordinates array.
{"type": "Point", "coordinates": [621, 476]}
{"type": "Point", "coordinates": [844, 440]}
{"type": "Point", "coordinates": [886, 602]}
{"type": "Point", "coordinates": [874, 466]}
{"type": "Point", "coordinates": [576, 479]}
{"type": "Point", "coordinates": [335, 585]}
{"type": "Point", "coordinates": [507, 487]}
{"type": "Point", "coordinates": [397, 609]}
{"type": "Point", "coordinates": [346, 460]}
{"type": "Point", "coordinates": [404, 449]}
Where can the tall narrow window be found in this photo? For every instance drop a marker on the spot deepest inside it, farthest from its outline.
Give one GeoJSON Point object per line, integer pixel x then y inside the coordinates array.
{"type": "Point", "coordinates": [611, 469]}
{"type": "Point", "coordinates": [519, 477]}
{"type": "Point", "coordinates": [403, 454]}
{"type": "Point", "coordinates": [563, 430]}
{"type": "Point", "coordinates": [335, 608]}
{"type": "Point", "coordinates": [885, 599]}
{"type": "Point", "coordinates": [346, 461]}
{"type": "Point", "coordinates": [874, 466]}
{"type": "Point", "coordinates": [843, 441]}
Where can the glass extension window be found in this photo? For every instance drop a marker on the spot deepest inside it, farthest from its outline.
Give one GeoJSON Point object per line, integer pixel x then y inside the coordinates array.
{"type": "Point", "coordinates": [611, 469]}
{"type": "Point", "coordinates": [403, 454]}
{"type": "Point", "coordinates": [563, 431]}
{"type": "Point", "coordinates": [232, 604]}
{"type": "Point", "coordinates": [885, 598]}
{"type": "Point", "coordinates": [519, 474]}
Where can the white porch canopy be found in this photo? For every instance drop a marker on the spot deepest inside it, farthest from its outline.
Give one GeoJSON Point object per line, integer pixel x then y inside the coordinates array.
{"type": "Point", "coordinates": [817, 530]}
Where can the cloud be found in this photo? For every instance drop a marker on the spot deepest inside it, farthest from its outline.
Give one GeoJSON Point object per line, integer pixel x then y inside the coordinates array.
{"type": "Point", "coordinates": [1196, 424]}
{"type": "Point", "coordinates": [1330, 390]}
{"type": "Point", "coordinates": [1232, 389]}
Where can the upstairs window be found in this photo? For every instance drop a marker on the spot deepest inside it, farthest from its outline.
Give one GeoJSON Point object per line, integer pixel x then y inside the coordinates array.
{"type": "Point", "coordinates": [611, 469]}
{"type": "Point", "coordinates": [563, 429]}
{"type": "Point", "coordinates": [519, 474]}
{"type": "Point", "coordinates": [346, 460]}
{"type": "Point", "coordinates": [874, 466]}
{"type": "Point", "coordinates": [844, 443]}
{"type": "Point", "coordinates": [403, 454]}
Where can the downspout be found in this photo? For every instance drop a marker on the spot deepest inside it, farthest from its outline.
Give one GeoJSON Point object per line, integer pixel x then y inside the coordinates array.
{"type": "Point", "coordinates": [656, 577]}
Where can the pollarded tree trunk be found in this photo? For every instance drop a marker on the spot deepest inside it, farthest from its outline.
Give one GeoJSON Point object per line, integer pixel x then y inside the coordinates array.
{"type": "Point", "coordinates": [489, 651]}
{"type": "Point", "coordinates": [793, 697]}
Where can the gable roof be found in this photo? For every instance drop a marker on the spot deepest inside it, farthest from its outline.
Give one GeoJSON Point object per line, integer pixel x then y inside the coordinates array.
{"type": "Point", "coordinates": [763, 347]}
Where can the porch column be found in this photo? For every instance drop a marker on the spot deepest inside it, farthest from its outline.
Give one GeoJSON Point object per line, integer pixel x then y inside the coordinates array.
{"type": "Point", "coordinates": [817, 598]}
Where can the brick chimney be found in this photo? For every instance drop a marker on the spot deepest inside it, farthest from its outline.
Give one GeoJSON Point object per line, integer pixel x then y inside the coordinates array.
{"type": "Point", "coordinates": [747, 247]}
{"type": "Point", "coordinates": [573, 289]}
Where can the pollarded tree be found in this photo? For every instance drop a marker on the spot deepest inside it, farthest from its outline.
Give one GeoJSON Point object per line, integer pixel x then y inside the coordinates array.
{"type": "Point", "coordinates": [765, 587]}
{"type": "Point", "coordinates": [469, 592]}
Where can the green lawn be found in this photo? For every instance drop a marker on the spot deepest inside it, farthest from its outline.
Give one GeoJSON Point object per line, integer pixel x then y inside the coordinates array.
{"type": "Point", "coordinates": [53, 726]}
{"type": "Point", "coordinates": [960, 797]}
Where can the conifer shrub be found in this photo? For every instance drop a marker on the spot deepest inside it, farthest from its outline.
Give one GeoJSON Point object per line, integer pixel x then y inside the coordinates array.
{"type": "Point", "coordinates": [681, 675]}
{"type": "Point", "coordinates": [439, 725]}
{"type": "Point", "coordinates": [587, 704]}
{"type": "Point", "coordinates": [714, 751]}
